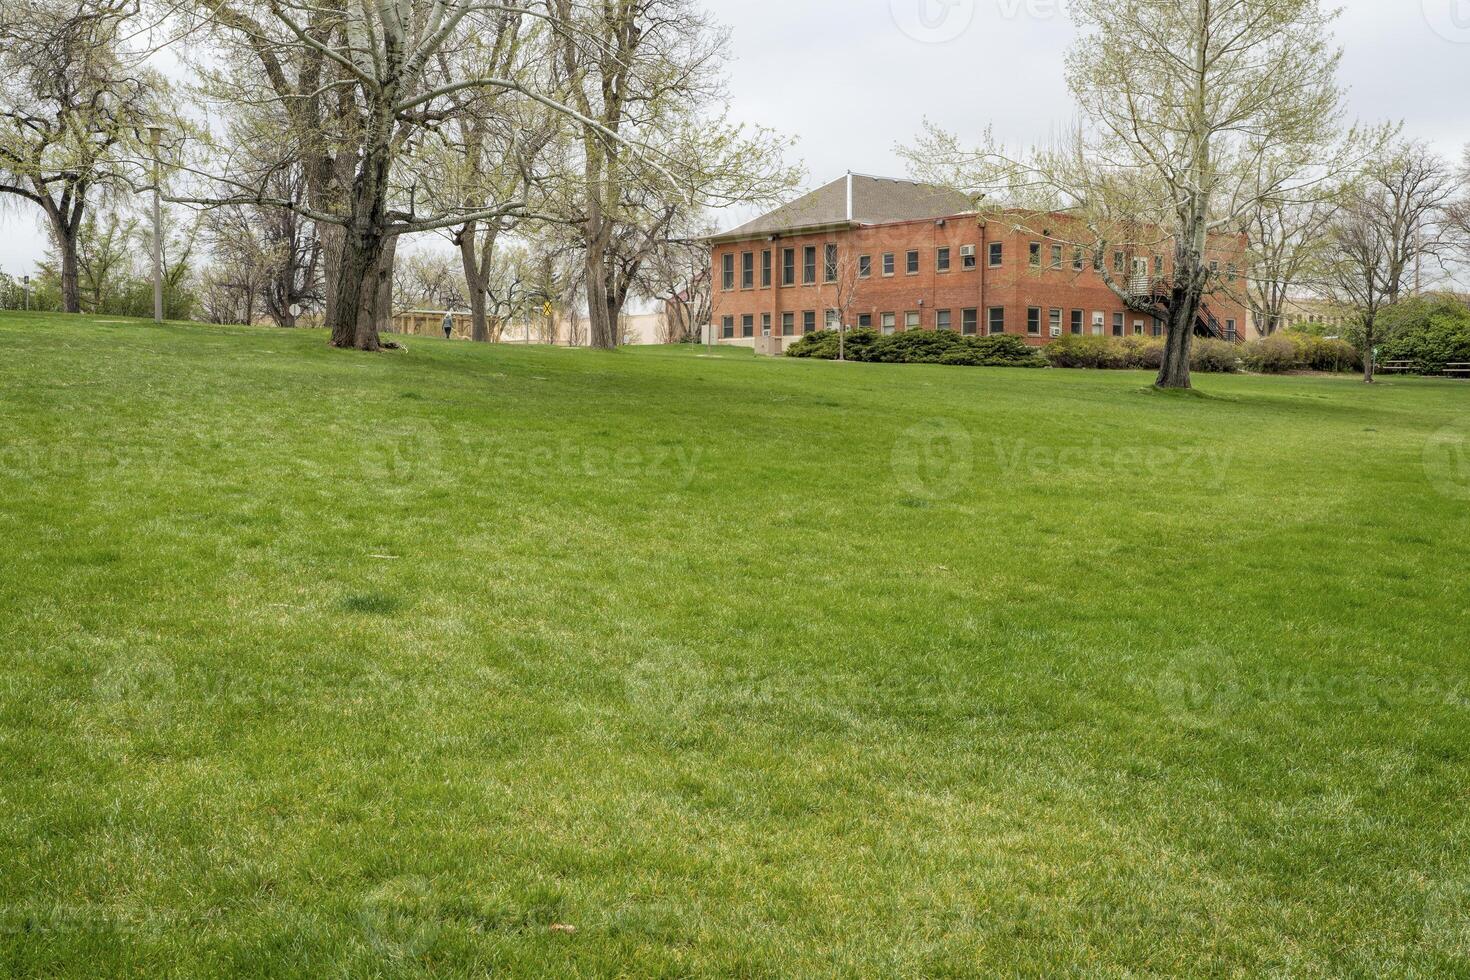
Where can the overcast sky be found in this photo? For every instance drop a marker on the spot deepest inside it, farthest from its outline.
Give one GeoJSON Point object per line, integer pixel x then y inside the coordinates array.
{"type": "Point", "coordinates": [851, 78]}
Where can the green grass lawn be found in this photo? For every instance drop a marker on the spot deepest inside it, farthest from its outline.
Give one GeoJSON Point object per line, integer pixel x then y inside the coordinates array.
{"type": "Point", "coordinates": [331, 664]}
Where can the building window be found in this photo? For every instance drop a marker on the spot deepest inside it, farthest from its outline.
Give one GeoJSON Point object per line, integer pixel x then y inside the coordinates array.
{"type": "Point", "coordinates": [728, 280]}
{"type": "Point", "coordinates": [809, 321]}
{"type": "Point", "coordinates": [809, 265]}
{"type": "Point", "coordinates": [997, 254]}
{"type": "Point", "coordinates": [1117, 324]}
{"type": "Point", "coordinates": [1214, 267]}
{"type": "Point", "coordinates": [830, 269]}
{"type": "Point", "coordinates": [766, 269]}
{"type": "Point", "coordinates": [911, 263]}
{"type": "Point", "coordinates": [1077, 259]}
{"type": "Point", "coordinates": [834, 320]}
{"type": "Point", "coordinates": [727, 325]}
{"type": "Point", "coordinates": [765, 324]}
{"type": "Point", "coordinates": [788, 324]}
{"type": "Point", "coordinates": [1056, 256]}
{"type": "Point", "coordinates": [1158, 265]}
{"type": "Point", "coordinates": [1229, 329]}
{"type": "Point", "coordinates": [788, 267]}
{"type": "Point", "coordinates": [1054, 322]}
{"type": "Point", "coordinates": [747, 325]}
{"type": "Point", "coordinates": [747, 270]}
{"type": "Point", "coordinates": [912, 320]}
{"type": "Point", "coordinates": [969, 322]}
{"type": "Point", "coordinates": [1096, 261]}
{"type": "Point", "coordinates": [888, 263]}
{"type": "Point", "coordinates": [1076, 321]}
{"type": "Point", "coordinates": [865, 266]}
{"type": "Point", "coordinates": [1120, 263]}
{"type": "Point", "coordinates": [943, 320]}
{"type": "Point", "coordinates": [865, 321]}
{"type": "Point", "coordinates": [997, 322]}
{"type": "Point", "coordinates": [889, 320]}
{"type": "Point", "coordinates": [941, 259]}
{"type": "Point", "coordinates": [1097, 323]}
{"type": "Point", "coordinates": [1035, 255]}
{"type": "Point", "coordinates": [1033, 321]}
{"type": "Point", "coordinates": [1138, 328]}
{"type": "Point", "coordinates": [1231, 272]}
{"type": "Point", "coordinates": [967, 256]}
{"type": "Point", "coordinates": [1158, 329]}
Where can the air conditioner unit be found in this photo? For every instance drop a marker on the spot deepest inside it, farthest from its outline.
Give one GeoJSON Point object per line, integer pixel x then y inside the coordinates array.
{"type": "Point", "coordinates": [967, 251]}
{"type": "Point", "coordinates": [1056, 331]}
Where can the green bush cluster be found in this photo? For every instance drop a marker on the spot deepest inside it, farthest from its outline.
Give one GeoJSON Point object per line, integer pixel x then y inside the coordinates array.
{"type": "Point", "coordinates": [1431, 331]}
{"type": "Point", "coordinates": [1140, 353]}
{"type": "Point", "coordinates": [920, 347]}
{"type": "Point", "coordinates": [1295, 350]}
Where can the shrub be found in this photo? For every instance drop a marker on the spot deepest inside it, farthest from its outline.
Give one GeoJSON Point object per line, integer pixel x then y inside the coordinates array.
{"type": "Point", "coordinates": [1213, 356]}
{"type": "Point", "coordinates": [920, 347]}
{"type": "Point", "coordinates": [1074, 351]}
{"type": "Point", "coordinates": [1270, 355]}
{"type": "Point", "coordinates": [1143, 353]}
{"type": "Point", "coordinates": [1432, 331]}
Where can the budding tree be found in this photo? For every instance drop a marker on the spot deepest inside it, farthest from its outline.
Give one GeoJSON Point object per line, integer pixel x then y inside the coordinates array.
{"type": "Point", "coordinates": [1392, 220]}
{"type": "Point", "coordinates": [1194, 112]}
{"type": "Point", "coordinates": [73, 106]}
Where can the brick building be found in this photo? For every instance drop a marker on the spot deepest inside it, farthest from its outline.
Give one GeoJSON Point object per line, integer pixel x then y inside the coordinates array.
{"type": "Point", "coordinates": [894, 255]}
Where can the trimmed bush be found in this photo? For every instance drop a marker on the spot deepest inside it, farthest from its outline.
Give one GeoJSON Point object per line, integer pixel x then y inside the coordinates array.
{"type": "Point", "coordinates": [1142, 353]}
{"type": "Point", "coordinates": [920, 347]}
{"type": "Point", "coordinates": [1270, 355]}
{"type": "Point", "coordinates": [1213, 356]}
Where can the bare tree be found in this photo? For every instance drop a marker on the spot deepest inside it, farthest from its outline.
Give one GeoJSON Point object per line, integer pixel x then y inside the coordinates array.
{"type": "Point", "coordinates": [72, 106]}
{"type": "Point", "coordinates": [1195, 111]}
{"type": "Point", "coordinates": [1390, 221]}
{"type": "Point", "coordinates": [1288, 243]}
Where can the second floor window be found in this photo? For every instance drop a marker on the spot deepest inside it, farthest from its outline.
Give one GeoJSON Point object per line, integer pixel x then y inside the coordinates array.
{"type": "Point", "coordinates": [865, 266]}
{"type": "Point", "coordinates": [941, 260]}
{"type": "Point", "coordinates": [1036, 255]}
{"type": "Point", "coordinates": [728, 277]}
{"type": "Point", "coordinates": [1056, 256]}
{"type": "Point", "coordinates": [788, 267]}
{"type": "Point", "coordinates": [888, 263]}
{"type": "Point", "coordinates": [766, 268]}
{"type": "Point", "coordinates": [912, 263]}
{"type": "Point", "coordinates": [747, 270]}
{"type": "Point", "coordinates": [997, 254]}
{"type": "Point", "coordinates": [809, 265]}
{"type": "Point", "coordinates": [829, 271]}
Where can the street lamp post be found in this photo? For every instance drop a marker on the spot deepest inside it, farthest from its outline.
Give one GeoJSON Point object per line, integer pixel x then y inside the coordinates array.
{"type": "Point", "coordinates": [155, 136]}
{"type": "Point", "coordinates": [26, 282]}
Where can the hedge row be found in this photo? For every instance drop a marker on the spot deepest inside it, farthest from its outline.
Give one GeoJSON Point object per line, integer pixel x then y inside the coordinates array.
{"type": "Point", "coordinates": [920, 347]}
{"type": "Point", "coordinates": [1141, 353]}
{"type": "Point", "coordinates": [1293, 351]}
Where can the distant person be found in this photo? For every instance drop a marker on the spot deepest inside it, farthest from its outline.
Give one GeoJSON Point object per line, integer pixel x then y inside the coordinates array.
{"type": "Point", "coordinates": [449, 326]}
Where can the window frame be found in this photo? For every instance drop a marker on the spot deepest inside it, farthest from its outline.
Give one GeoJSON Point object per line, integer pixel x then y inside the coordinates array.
{"type": "Point", "coordinates": [809, 265]}
{"type": "Point", "coordinates": [996, 256]}
{"type": "Point", "coordinates": [831, 258]}
{"type": "Point", "coordinates": [911, 262]}
{"type": "Point", "coordinates": [940, 318]}
{"type": "Point", "coordinates": [913, 320]}
{"type": "Point", "coordinates": [788, 267]}
{"type": "Point", "coordinates": [970, 322]}
{"type": "Point", "coordinates": [727, 272]}
{"type": "Point", "coordinates": [747, 270]}
{"type": "Point", "coordinates": [865, 267]}
{"type": "Point", "coordinates": [808, 322]}
{"type": "Point", "coordinates": [1033, 321]}
{"type": "Point", "coordinates": [765, 268]}
{"type": "Point", "coordinates": [942, 259]}
{"type": "Point", "coordinates": [990, 320]}
{"type": "Point", "coordinates": [727, 328]}
{"type": "Point", "coordinates": [890, 264]}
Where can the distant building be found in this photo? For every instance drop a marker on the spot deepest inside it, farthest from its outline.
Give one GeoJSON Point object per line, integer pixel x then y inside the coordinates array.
{"type": "Point", "coordinates": [563, 331]}
{"type": "Point", "coordinates": [896, 255]}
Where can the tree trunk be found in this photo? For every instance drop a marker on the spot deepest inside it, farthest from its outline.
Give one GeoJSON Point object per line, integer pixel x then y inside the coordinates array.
{"type": "Point", "coordinates": [1183, 308]}
{"type": "Point", "coordinates": [66, 245]}
{"type": "Point", "coordinates": [385, 284]}
{"type": "Point", "coordinates": [1368, 366]}
{"type": "Point", "coordinates": [356, 325]}
{"type": "Point", "coordinates": [332, 238]}
{"type": "Point", "coordinates": [599, 299]}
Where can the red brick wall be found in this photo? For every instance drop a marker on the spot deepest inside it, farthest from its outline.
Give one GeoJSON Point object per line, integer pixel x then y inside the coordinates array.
{"type": "Point", "coordinates": [1014, 285]}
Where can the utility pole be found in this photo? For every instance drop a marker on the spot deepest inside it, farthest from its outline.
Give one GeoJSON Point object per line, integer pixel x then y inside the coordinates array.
{"type": "Point", "coordinates": [26, 283]}
{"type": "Point", "coordinates": [155, 136]}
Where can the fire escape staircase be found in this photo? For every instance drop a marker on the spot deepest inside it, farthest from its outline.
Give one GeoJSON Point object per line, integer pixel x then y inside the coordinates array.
{"type": "Point", "coordinates": [1155, 292]}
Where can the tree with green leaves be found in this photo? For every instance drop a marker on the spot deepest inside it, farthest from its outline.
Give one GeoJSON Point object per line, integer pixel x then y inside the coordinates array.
{"type": "Point", "coordinates": [1194, 113]}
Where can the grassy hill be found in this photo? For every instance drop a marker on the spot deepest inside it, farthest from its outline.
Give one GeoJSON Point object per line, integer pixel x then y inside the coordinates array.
{"type": "Point", "coordinates": [567, 663]}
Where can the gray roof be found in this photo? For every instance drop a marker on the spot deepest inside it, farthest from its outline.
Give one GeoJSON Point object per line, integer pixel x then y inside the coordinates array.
{"type": "Point", "coordinates": [875, 201]}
